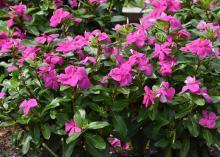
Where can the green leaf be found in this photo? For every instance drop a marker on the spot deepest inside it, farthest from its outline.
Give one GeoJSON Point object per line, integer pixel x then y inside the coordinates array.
{"type": "Point", "coordinates": [182, 113]}
{"type": "Point", "coordinates": [45, 129]}
{"type": "Point", "coordinates": [152, 112]}
{"type": "Point", "coordinates": [97, 125]}
{"type": "Point", "coordinates": [199, 101]}
{"type": "Point", "coordinates": [119, 105]}
{"type": "Point", "coordinates": [3, 26]}
{"type": "Point", "coordinates": [118, 18]}
{"type": "Point", "coordinates": [73, 137]}
{"type": "Point", "coordinates": [33, 30]}
{"type": "Point", "coordinates": [96, 152]}
{"type": "Point", "coordinates": [80, 118]}
{"type": "Point", "coordinates": [193, 126]}
{"type": "Point", "coordinates": [54, 103]}
{"type": "Point", "coordinates": [207, 135]}
{"type": "Point", "coordinates": [119, 125]}
{"type": "Point", "coordinates": [69, 149]}
{"type": "Point", "coordinates": [96, 140]}
{"type": "Point", "coordinates": [26, 144]}
{"type": "Point", "coordinates": [162, 143]}
{"type": "Point", "coordinates": [27, 42]}
{"type": "Point", "coordinates": [185, 147]}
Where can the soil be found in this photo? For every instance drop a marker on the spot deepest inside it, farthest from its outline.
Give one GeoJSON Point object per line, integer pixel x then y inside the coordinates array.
{"type": "Point", "coordinates": [7, 149]}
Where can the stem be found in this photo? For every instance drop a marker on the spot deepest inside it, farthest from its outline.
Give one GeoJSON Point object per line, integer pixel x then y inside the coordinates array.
{"type": "Point", "coordinates": [198, 66]}
{"type": "Point", "coordinates": [49, 150]}
{"type": "Point", "coordinates": [62, 145]}
{"type": "Point", "coordinates": [168, 152]}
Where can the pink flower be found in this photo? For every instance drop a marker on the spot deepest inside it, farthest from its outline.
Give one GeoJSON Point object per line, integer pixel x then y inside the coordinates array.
{"type": "Point", "coordinates": [166, 65]}
{"type": "Point", "coordinates": [2, 95]}
{"type": "Point", "coordinates": [204, 92]}
{"type": "Point", "coordinates": [138, 37]}
{"type": "Point", "coordinates": [58, 16]}
{"type": "Point", "coordinates": [152, 40]}
{"type": "Point", "coordinates": [29, 53]}
{"type": "Point", "coordinates": [71, 127]}
{"type": "Point", "coordinates": [142, 61]}
{"type": "Point", "coordinates": [122, 74]}
{"type": "Point", "coordinates": [12, 68]}
{"type": "Point", "coordinates": [118, 27]}
{"type": "Point", "coordinates": [97, 1]}
{"type": "Point", "coordinates": [174, 23]}
{"type": "Point", "coordinates": [72, 44]}
{"type": "Point", "coordinates": [20, 10]}
{"type": "Point", "coordinates": [51, 80]}
{"type": "Point", "coordinates": [148, 97]}
{"type": "Point", "coordinates": [73, 3]}
{"type": "Point", "coordinates": [174, 5]}
{"type": "Point", "coordinates": [52, 59]}
{"type": "Point", "coordinates": [104, 36]}
{"type": "Point", "coordinates": [165, 93]}
{"type": "Point", "coordinates": [208, 119]}
{"type": "Point", "coordinates": [192, 85]}
{"type": "Point", "coordinates": [184, 34]}
{"type": "Point", "coordinates": [27, 105]}
{"type": "Point", "coordinates": [66, 46]}
{"type": "Point", "coordinates": [202, 25]}
{"type": "Point", "coordinates": [202, 48]}
{"type": "Point", "coordinates": [88, 59]}
{"type": "Point", "coordinates": [6, 45]}
{"type": "Point", "coordinates": [75, 76]}
{"type": "Point", "coordinates": [117, 143]}
{"type": "Point", "coordinates": [162, 50]}
{"type": "Point", "coordinates": [46, 38]}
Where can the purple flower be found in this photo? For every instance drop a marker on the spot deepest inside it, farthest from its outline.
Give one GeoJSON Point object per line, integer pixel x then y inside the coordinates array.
{"type": "Point", "coordinates": [208, 119]}
{"type": "Point", "coordinates": [73, 3]}
{"type": "Point", "coordinates": [71, 127]}
{"type": "Point", "coordinates": [27, 105]}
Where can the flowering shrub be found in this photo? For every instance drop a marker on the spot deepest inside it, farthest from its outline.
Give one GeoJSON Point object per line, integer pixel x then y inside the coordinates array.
{"type": "Point", "coordinates": [135, 89]}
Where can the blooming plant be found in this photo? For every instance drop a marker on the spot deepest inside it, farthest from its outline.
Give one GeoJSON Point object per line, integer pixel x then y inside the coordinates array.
{"type": "Point", "coordinates": [74, 86]}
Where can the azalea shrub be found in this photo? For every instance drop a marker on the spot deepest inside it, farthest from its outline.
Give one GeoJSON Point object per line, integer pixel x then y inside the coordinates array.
{"type": "Point", "coordinates": [75, 84]}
